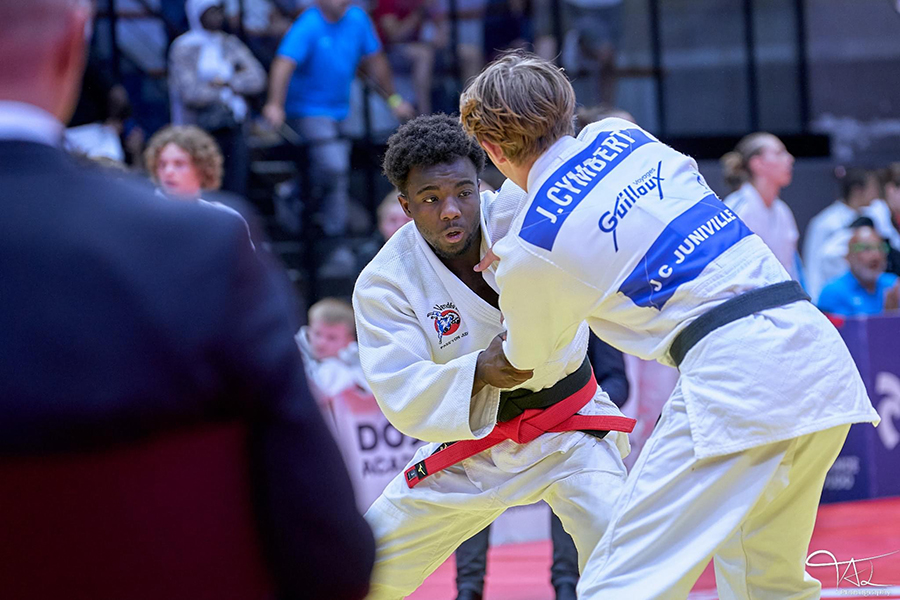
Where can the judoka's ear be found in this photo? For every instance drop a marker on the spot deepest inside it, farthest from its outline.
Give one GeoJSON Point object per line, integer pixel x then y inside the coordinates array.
{"type": "Point", "coordinates": [495, 153]}
{"type": "Point", "coordinates": [404, 204]}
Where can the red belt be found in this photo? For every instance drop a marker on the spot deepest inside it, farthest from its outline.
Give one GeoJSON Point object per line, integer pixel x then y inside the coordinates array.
{"type": "Point", "coordinates": [523, 429]}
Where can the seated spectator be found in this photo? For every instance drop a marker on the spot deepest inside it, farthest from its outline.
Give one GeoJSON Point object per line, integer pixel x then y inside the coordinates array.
{"type": "Point", "coordinates": [328, 346]}
{"type": "Point", "coordinates": [113, 133]}
{"type": "Point", "coordinates": [865, 289]}
{"type": "Point", "coordinates": [184, 161]}
{"type": "Point", "coordinates": [757, 170]}
{"type": "Point", "coordinates": [400, 24]}
{"type": "Point", "coordinates": [374, 452]}
{"type": "Point", "coordinates": [825, 246]}
{"type": "Point", "coordinates": [891, 183]}
{"type": "Point", "coordinates": [211, 73]}
{"type": "Point", "coordinates": [390, 218]}
{"type": "Point", "coordinates": [390, 215]}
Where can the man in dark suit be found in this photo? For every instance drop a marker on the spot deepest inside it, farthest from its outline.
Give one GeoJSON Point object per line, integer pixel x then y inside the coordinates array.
{"type": "Point", "coordinates": [124, 318]}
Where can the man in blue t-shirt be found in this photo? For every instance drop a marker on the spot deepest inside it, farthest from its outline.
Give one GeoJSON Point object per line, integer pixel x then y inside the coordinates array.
{"type": "Point", "coordinates": [309, 86]}
{"type": "Point", "coordinates": [865, 289]}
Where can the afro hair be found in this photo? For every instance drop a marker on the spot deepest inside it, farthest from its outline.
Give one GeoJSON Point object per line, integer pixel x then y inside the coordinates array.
{"type": "Point", "coordinates": [427, 141]}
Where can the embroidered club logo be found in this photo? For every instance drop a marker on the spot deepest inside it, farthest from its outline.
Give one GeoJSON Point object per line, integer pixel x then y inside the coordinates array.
{"type": "Point", "coordinates": [446, 319]}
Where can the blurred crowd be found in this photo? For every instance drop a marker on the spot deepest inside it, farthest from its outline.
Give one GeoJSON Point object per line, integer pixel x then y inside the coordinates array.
{"type": "Point", "coordinates": [258, 73]}
{"type": "Point", "coordinates": [252, 73]}
{"type": "Point", "coordinates": [849, 263]}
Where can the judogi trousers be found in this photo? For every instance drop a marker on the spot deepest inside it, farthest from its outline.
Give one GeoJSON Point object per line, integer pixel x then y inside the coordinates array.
{"type": "Point", "coordinates": [417, 529]}
{"type": "Point", "coordinates": [752, 511]}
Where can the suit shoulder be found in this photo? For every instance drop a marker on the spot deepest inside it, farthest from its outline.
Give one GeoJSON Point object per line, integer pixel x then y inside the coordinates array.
{"type": "Point", "coordinates": [131, 208]}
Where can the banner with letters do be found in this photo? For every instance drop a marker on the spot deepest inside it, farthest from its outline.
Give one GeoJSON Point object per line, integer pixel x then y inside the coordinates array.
{"type": "Point", "coordinates": [868, 465]}
{"type": "Point", "coordinates": [374, 451]}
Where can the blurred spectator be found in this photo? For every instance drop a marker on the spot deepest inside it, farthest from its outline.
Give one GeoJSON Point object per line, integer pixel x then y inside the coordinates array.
{"type": "Point", "coordinates": [757, 170]}
{"type": "Point", "coordinates": [184, 161]}
{"type": "Point", "coordinates": [102, 124]}
{"type": "Point", "coordinates": [390, 218]}
{"type": "Point", "coordinates": [825, 246]}
{"type": "Point", "coordinates": [210, 75]}
{"type": "Point", "coordinates": [263, 24]}
{"type": "Point", "coordinates": [328, 345]}
{"type": "Point", "coordinates": [892, 192]}
{"type": "Point", "coordinates": [400, 24]}
{"type": "Point", "coordinates": [891, 185]}
{"type": "Point", "coordinates": [865, 289]}
{"type": "Point", "coordinates": [309, 85]}
{"type": "Point", "coordinates": [593, 29]}
{"type": "Point", "coordinates": [373, 450]}
{"type": "Point", "coordinates": [469, 33]}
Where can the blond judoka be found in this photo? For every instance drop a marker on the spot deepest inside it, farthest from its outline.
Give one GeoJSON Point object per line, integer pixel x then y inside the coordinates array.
{"type": "Point", "coordinates": [622, 230]}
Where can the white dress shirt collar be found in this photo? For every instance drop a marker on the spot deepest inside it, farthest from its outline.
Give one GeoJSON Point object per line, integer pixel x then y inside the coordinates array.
{"type": "Point", "coordinates": [21, 121]}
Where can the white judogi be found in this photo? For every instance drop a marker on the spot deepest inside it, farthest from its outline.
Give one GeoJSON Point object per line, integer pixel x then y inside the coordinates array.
{"type": "Point", "coordinates": [774, 224]}
{"type": "Point", "coordinates": [621, 230]}
{"type": "Point", "coordinates": [420, 331]}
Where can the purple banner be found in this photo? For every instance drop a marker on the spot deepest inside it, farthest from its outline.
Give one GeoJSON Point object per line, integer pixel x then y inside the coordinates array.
{"type": "Point", "coordinates": [883, 384]}
{"type": "Point", "coordinates": [868, 465]}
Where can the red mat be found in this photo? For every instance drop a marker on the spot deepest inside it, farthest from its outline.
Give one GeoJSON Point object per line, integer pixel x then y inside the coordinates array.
{"type": "Point", "coordinates": [853, 532]}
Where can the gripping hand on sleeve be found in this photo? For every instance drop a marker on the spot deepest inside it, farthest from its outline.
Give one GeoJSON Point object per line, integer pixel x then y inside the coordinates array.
{"type": "Point", "coordinates": [493, 369]}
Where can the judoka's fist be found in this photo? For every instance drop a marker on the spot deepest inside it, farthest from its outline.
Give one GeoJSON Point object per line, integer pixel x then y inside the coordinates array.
{"type": "Point", "coordinates": [493, 369]}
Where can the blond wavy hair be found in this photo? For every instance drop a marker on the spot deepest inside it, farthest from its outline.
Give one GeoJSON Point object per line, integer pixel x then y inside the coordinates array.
{"type": "Point", "coordinates": [204, 151]}
{"type": "Point", "coordinates": [520, 102]}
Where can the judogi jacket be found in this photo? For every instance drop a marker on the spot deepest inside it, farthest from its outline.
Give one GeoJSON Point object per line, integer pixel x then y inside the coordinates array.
{"type": "Point", "coordinates": [623, 231]}
{"type": "Point", "coordinates": [420, 330]}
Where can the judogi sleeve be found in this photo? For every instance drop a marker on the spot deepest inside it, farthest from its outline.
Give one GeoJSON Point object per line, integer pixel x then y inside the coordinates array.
{"type": "Point", "coordinates": [542, 305]}
{"type": "Point", "coordinates": [423, 399]}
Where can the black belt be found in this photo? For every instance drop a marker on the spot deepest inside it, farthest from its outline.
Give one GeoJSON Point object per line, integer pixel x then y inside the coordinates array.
{"type": "Point", "coordinates": [746, 304]}
{"type": "Point", "coordinates": [515, 402]}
